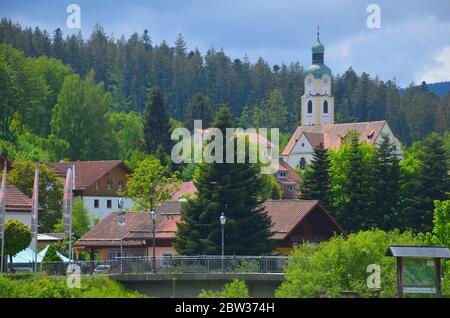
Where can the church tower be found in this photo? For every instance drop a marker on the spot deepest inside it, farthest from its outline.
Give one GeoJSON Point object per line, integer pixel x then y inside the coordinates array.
{"type": "Point", "coordinates": [317, 103]}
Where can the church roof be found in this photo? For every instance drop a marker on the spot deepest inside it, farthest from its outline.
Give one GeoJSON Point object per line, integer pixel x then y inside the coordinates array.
{"type": "Point", "coordinates": [318, 47]}
{"type": "Point", "coordinates": [330, 135]}
{"type": "Point", "coordinates": [318, 70]}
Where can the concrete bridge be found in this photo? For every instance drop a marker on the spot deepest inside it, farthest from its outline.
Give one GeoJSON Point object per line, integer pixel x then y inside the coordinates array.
{"type": "Point", "coordinates": [189, 285]}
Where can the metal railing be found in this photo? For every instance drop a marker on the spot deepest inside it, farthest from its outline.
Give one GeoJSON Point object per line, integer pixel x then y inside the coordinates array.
{"type": "Point", "coordinates": [167, 265]}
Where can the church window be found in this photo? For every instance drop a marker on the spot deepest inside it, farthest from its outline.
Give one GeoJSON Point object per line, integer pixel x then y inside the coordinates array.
{"type": "Point", "coordinates": [310, 106]}
{"type": "Point", "coordinates": [325, 107]}
{"type": "Point", "coordinates": [302, 163]}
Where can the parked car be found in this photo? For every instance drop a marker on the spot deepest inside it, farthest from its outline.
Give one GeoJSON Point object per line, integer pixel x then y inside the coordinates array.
{"type": "Point", "coordinates": [102, 269]}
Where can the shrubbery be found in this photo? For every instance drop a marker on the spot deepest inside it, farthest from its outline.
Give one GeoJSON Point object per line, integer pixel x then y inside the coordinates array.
{"type": "Point", "coordinates": [341, 264]}
{"type": "Point", "coordinates": [234, 289]}
{"type": "Point", "coordinates": [23, 286]}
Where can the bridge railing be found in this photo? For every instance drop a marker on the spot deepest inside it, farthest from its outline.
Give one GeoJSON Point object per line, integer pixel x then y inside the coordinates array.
{"type": "Point", "coordinates": [167, 264]}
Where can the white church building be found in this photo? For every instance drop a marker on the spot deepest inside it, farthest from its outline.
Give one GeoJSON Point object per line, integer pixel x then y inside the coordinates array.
{"type": "Point", "coordinates": [317, 113]}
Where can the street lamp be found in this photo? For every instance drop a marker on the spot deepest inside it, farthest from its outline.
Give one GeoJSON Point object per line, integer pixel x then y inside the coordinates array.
{"type": "Point", "coordinates": [223, 220]}
{"type": "Point", "coordinates": [154, 214]}
{"type": "Point", "coordinates": [121, 223]}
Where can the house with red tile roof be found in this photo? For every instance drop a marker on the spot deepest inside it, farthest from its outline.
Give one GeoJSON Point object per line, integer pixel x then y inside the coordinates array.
{"type": "Point", "coordinates": [288, 179]}
{"type": "Point", "coordinates": [294, 222]}
{"type": "Point", "coordinates": [18, 206]}
{"type": "Point", "coordinates": [97, 184]}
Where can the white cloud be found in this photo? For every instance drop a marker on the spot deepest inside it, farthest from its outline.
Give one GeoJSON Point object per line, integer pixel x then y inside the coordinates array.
{"type": "Point", "coordinates": [439, 71]}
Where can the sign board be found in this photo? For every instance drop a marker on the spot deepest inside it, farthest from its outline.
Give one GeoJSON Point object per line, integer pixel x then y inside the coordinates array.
{"type": "Point", "coordinates": [419, 276]}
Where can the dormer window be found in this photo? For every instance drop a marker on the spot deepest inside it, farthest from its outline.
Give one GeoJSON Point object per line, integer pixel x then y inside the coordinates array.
{"type": "Point", "coordinates": [371, 134]}
{"type": "Point", "coordinates": [97, 185]}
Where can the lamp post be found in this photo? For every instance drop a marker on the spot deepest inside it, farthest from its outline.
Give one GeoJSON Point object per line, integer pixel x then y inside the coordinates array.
{"type": "Point", "coordinates": [154, 214]}
{"type": "Point", "coordinates": [223, 220]}
{"type": "Point", "coordinates": [121, 223]}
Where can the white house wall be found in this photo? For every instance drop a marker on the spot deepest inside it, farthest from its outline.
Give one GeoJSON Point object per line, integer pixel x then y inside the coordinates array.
{"type": "Point", "coordinates": [102, 211]}
{"type": "Point", "coordinates": [24, 217]}
{"type": "Point", "coordinates": [301, 149]}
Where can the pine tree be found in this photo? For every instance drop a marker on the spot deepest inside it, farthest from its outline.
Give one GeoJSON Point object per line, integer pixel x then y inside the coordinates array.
{"type": "Point", "coordinates": [316, 181]}
{"type": "Point", "coordinates": [156, 124]}
{"type": "Point", "coordinates": [231, 189]}
{"type": "Point", "coordinates": [199, 108]}
{"type": "Point", "coordinates": [432, 184]}
{"type": "Point", "coordinates": [387, 190]}
{"type": "Point", "coordinates": [353, 186]}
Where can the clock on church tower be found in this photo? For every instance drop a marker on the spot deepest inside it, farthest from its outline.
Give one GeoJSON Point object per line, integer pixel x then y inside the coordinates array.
{"type": "Point", "coordinates": [317, 103]}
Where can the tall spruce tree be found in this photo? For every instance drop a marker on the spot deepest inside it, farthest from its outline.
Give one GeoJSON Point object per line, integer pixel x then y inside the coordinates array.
{"type": "Point", "coordinates": [353, 187]}
{"type": "Point", "coordinates": [387, 190]}
{"type": "Point", "coordinates": [432, 184]}
{"type": "Point", "coordinates": [156, 124]}
{"type": "Point", "coordinates": [316, 181]}
{"type": "Point", "coordinates": [199, 108]}
{"type": "Point", "coordinates": [228, 188]}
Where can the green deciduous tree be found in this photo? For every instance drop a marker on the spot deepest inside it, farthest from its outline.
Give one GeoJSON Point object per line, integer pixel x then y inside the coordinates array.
{"type": "Point", "coordinates": [17, 238]}
{"type": "Point", "coordinates": [81, 118]}
{"type": "Point", "coordinates": [342, 264]}
{"type": "Point", "coordinates": [150, 186]}
{"type": "Point", "coordinates": [50, 190]}
{"type": "Point", "coordinates": [128, 131]}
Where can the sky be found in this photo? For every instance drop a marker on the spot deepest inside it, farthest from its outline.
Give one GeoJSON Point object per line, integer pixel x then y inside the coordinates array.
{"type": "Point", "coordinates": [412, 43]}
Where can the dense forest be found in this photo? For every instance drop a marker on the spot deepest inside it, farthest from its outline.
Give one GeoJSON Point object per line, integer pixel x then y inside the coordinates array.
{"type": "Point", "coordinates": [117, 74]}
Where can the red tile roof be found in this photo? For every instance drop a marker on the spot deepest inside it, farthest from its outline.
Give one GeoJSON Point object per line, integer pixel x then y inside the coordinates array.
{"type": "Point", "coordinates": [331, 135]}
{"type": "Point", "coordinates": [186, 189]}
{"type": "Point", "coordinates": [17, 201]}
{"type": "Point", "coordinates": [286, 215]}
{"type": "Point", "coordinates": [87, 172]}
{"type": "Point", "coordinates": [138, 227]}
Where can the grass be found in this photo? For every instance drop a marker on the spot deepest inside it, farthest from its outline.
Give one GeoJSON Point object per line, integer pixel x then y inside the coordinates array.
{"type": "Point", "coordinates": [23, 286]}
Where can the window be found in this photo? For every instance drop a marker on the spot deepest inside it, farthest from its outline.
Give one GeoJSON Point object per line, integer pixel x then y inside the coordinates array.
{"type": "Point", "coordinates": [310, 107]}
{"type": "Point", "coordinates": [97, 184]}
{"type": "Point", "coordinates": [290, 188]}
{"type": "Point", "coordinates": [120, 185]}
{"type": "Point", "coordinates": [109, 204]}
{"type": "Point", "coordinates": [96, 203]}
{"type": "Point", "coordinates": [165, 259]}
{"type": "Point", "coordinates": [281, 175]}
{"type": "Point", "coordinates": [325, 107]}
{"type": "Point", "coordinates": [109, 185]}
{"type": "Point", "coordinates": [302, 163]}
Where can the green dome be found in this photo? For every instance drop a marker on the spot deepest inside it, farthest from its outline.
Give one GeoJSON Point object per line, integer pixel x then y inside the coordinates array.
{"type": "Point", "coordinates": [318, 70]}
{"type": "Point", "coordinates": [318, 48]}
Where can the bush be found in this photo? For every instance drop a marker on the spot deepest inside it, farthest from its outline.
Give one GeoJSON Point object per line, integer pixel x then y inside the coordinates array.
{"type": "Point", "coordinates": [341, 264]}
{"type": "Point", "coordinates": [234, 289]}
{"type": "Point", "coordinates": [23, 286]}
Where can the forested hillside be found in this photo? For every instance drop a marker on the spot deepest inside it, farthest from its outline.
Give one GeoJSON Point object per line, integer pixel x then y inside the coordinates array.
{"type": "Point", "coordinates": [116, 74]}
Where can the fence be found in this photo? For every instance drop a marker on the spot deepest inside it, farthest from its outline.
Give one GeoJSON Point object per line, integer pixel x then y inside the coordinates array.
{"type": "Point", "coordinates": [167, 264]}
